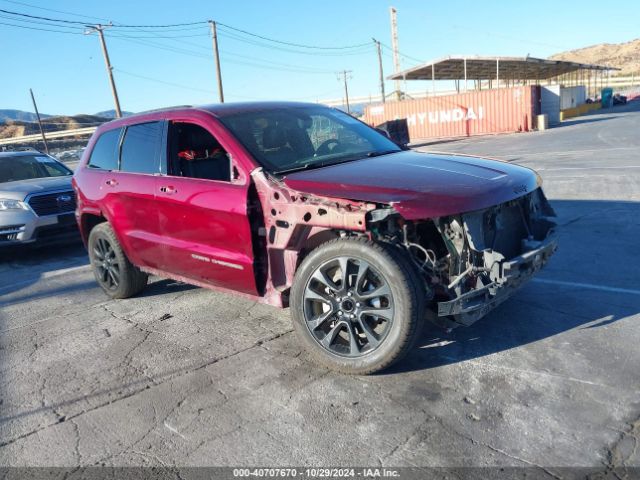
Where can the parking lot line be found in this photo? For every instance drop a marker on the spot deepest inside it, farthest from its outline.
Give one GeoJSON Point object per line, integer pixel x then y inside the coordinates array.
{"type": "Point", "coordinates": [44, 276]}
{"type": "Point", "coordinates": [587, 285]}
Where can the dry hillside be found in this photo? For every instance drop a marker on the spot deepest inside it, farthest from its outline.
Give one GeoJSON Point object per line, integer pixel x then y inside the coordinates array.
{"type": "Point", "coordinates": [17, 128]}
{"type": "Point", "coordinates": [620, 55]}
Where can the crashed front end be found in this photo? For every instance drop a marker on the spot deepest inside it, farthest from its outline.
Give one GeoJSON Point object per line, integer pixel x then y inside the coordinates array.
{"type": "Point", "coordinates": [473, 261]}
{"type": "Point", "coordinates": [492, 252]}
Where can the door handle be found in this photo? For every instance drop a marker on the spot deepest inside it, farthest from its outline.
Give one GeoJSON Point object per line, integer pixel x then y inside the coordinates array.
{"type": "Point", "coordinates": [169, 190]}
{"type": "Point", "coordinates": [112, 182]}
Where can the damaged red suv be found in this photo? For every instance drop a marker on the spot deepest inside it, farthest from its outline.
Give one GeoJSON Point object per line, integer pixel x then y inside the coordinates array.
{"type": "Point", "coordinates": [304, 206]}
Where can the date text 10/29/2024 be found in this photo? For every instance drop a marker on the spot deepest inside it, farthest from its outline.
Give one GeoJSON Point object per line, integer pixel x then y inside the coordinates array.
{"type": "Point", "coordinates": [316, 472]}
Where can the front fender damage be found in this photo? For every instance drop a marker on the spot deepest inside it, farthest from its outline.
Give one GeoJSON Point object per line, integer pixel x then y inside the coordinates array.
{"type": "Point", "coordinates": [294, 222]}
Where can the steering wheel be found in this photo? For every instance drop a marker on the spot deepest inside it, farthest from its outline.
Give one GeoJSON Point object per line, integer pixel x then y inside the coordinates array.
{"type": "Point", "coordinates": [325, 147]}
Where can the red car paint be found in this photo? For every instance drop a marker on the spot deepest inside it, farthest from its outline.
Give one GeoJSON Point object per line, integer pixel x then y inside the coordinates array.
{"type": "Point", "coordinates": [420, 185]}
{"type": "Point", "coordinates": [204, 231]}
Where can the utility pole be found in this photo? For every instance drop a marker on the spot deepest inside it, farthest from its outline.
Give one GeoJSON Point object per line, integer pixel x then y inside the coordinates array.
{"type": "Point", "coordinates": [35, 107]}
{"type": "Point", "coordinates": [345, 75]}
{"type": "Point", "coordinates": [99, 28]}
{"type": "Point", "coordinates": [380, 69]}
{"type": "Point", "coordinates": [216, 54]}
{"type": "Point", "coordinates": [394, 46]}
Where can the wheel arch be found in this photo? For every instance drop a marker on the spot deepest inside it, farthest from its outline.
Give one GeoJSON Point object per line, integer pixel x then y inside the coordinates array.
{"type": "Point", "coordinates": [87, 222]}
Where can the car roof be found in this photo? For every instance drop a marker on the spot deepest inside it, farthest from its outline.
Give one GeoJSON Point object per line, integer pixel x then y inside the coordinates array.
{"type": "Point", "coordinates": [223, 109]}
{"type": "Point", "coordinates": [218, 109]}
{"type": "Point", "coordinates": [21, 153]}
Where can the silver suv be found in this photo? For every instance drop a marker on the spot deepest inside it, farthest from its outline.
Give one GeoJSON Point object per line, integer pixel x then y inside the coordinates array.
{"type": "Point", "coordinates": [37, 202]}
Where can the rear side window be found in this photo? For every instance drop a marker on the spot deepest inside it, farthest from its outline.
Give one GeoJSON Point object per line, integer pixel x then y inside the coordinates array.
{"type": "Point", "coordinates": [140, 148]}
{"type": "Point", "coordinates": [105, 151]}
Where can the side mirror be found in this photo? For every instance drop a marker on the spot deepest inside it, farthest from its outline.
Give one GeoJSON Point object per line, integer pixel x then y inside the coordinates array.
{"type": "Point", "coordinates": [383, 132]}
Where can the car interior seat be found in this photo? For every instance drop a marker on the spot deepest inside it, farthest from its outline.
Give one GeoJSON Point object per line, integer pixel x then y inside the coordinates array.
{"type": "Point", "coordinates": [275, 146]}
{"type": "Point", "coordinates": [201, 156]}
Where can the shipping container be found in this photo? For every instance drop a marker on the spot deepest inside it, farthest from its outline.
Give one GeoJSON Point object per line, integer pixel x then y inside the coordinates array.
{"type": "Point", "coordinates": [464, 114]}
{"type": "Point", "coordinates": [571, 97]}
{"type": "Point", "coordinates": [550, 103]}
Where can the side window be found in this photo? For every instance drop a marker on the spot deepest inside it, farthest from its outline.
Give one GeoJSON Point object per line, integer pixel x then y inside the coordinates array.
{"type": "Point", "coordinates": [105, 151]}
{"type": "Point", "coordinates": [140, 148]}
{"type": "Point", "coordinates": [195, 153]}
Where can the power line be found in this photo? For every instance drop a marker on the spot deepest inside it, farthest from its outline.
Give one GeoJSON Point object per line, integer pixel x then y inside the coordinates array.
{"type": "Point", "coordinates": [36, 22]}
{"type": "Point", "coordinates": [15, 2]}
{"type": "Point", "coordinates": [171, 84]}
{"type": "Point", "coordinates": [191, 24]}
{"type": "Point", "coordinates": [276, 66]}
{"type": "Point", "coordinates": [234, 36]}
{"type": "Point", "coordinates": [402, 54]}
{"type": "Point", "coordinates": [62, 20]}
{"type": "Point", "coordinates": [299, 45]}
{"type": "Point", "coordinates": [40, 29]}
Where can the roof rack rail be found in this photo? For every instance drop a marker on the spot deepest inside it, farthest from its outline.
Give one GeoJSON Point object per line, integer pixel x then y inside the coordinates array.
{"type": "Point", "coordinates": [162, 109]}
{"type": "Point", "coordinates": [10, 148]}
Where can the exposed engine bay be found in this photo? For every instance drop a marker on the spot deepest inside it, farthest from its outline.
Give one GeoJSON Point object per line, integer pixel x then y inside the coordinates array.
{"type": "Point", "coordinates": [472, 262]}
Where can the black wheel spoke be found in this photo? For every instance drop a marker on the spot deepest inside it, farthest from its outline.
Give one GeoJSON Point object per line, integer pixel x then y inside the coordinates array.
{"type": "Point", "coordinates": [321, 277]}
{"type": "Point", "coordinates": [372, 338]}
{"type": "Point", "coordinates": [385, 313]}
{"type": "Point", "coordinates": [317, 322]}
{"type": "Point", "coordinates": [344, 274]}
{"type": "Point", "coordinates": [379, 291]}
{"type": "Point", "coordinates": [363, 269]}
{"type": "Point", "coordinates": [328, 339]}
{"type": "Point", "coordinates": [112, 276]}
{"type": "Point", "coordinates": [115, 271]}
{"type": "Point", "coordinates": [318, 296]}
{"type": "Point", "coordinates": [354, 349]}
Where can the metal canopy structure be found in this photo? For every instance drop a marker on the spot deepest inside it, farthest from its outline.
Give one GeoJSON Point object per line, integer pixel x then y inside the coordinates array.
{"type": "Point", "coordinates": [474, 67]}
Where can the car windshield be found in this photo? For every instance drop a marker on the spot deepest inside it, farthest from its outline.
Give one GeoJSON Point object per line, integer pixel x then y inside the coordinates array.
{"type": "Point", "coordinates": [26, 167]}
{"type": "Point", "coordinates": [287, 139]}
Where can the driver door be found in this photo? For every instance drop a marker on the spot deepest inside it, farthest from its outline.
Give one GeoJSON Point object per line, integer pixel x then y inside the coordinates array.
{"type": "Point", "coordinates": [202, 212]}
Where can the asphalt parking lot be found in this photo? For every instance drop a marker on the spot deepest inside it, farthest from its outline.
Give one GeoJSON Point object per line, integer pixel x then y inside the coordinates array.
{"type": "Point", "coordinates": [185, 376]}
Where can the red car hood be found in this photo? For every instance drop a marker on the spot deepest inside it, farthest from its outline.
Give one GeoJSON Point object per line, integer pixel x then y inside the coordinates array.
{"type": "Point", "coordinates": [420, 185]}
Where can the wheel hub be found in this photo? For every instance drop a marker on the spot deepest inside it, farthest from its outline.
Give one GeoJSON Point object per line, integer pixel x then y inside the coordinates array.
{"type": "Point", "coordinates": [348, 305]}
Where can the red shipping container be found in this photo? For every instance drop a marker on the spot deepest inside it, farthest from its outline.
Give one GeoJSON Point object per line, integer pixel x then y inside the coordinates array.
{"type": "Point", "coordinates": [464, 114]}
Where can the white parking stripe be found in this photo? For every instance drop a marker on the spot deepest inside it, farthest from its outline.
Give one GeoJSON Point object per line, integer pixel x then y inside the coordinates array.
{"type": "Point", "coordinates": [585, 168]}
{"type": "Point", "coordinates": [44, 276]}
{"type": "Point", "coordinates": [589, 286]}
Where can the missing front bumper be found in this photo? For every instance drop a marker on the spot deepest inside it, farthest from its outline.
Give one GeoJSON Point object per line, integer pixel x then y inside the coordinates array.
{"type": "Point", "coordinates": [471, 306]}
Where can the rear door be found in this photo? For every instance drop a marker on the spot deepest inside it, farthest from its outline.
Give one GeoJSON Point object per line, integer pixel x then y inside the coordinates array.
{"type": "Point", "coordinates": [202, 209]}
{"type": "Point", "coordinates": [132, 203]}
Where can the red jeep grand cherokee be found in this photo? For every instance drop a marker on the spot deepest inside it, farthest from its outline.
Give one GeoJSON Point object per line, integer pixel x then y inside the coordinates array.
{"type": "Point", "coordinates": [304, 206]}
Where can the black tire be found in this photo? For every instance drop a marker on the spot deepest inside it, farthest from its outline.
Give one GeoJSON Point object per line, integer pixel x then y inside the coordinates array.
{"type": "Point", "coordinates": [322, 302]}
{"type": "Point", "coordinates": [113, 271]}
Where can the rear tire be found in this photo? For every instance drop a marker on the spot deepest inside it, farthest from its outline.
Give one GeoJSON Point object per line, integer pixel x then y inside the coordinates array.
{"type": "Point", "coordinates": [113, 271]}
{"type": "Point", "coordinates": [356, 305]}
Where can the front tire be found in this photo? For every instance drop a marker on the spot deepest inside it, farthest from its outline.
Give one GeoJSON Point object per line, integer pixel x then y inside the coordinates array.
{"type": "Point", "coordinates": [356, 305]}
{"type": "Point", "coordinates": [113, 271]}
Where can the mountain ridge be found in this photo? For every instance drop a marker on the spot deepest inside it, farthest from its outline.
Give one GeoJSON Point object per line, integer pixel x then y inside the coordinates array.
{"type": "Point", "coordinates": [625, 56]}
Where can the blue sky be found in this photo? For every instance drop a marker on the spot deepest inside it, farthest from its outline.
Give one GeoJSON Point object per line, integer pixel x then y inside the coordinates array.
{"type": "Point", "coordinates": [68, 75]}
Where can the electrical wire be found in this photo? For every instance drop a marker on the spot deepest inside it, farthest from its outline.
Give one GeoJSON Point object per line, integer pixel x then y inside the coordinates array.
{"type": "Point", "coordinates": [403, 54]}
{"type": "Point", "coordinates": [41, 29]}
{"type": "Point", "coordinates": [151, 79]}
{"type": "Point", "coordinates": [191, 24]}
{"type": "Point", "coordinates": [62, 20]}
{"type": "Point", "coordinates": [291, 44]}
{"type": "Point", "coordinates": [233, 36]}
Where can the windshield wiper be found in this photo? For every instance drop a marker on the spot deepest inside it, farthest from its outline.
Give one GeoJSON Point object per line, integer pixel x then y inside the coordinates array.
{"type": "Point", "coordinates": [381, 152]}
